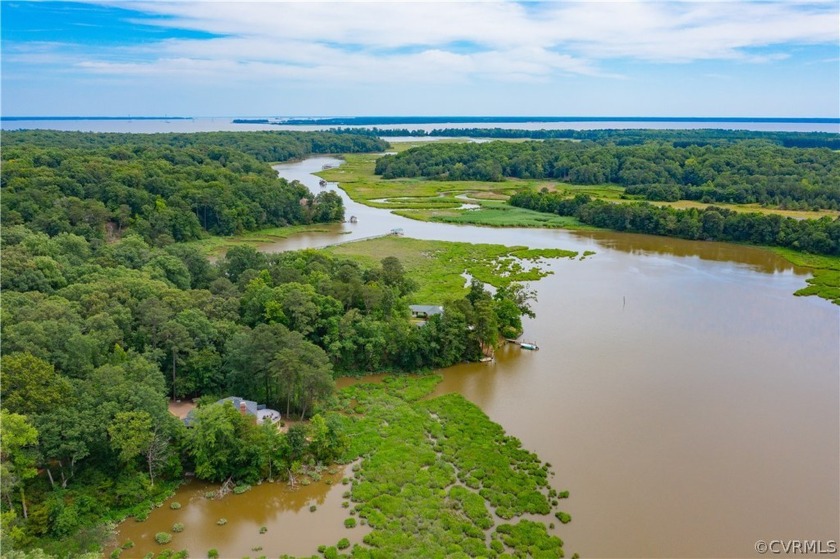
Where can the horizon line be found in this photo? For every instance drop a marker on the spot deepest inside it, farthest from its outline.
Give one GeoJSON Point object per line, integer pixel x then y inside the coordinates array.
{"type": "Point", "coordinates": [442, 118]}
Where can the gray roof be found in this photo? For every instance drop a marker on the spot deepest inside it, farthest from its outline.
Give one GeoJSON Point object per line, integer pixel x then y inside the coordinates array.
{"type": "Point", "coordinates": [250, 406]}
{"type": "Point", "coordinates": [428, 310]}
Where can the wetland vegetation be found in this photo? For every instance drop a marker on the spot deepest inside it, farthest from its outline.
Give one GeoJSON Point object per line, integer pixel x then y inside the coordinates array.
{"type": "Point", "coordinates": [438, 478]}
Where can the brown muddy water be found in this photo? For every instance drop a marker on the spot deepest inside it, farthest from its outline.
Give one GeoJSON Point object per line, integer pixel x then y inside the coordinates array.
{"type": "Point", "coordinates": [687, 400]}
{"type": "Point", "coordinates": [283, 510]}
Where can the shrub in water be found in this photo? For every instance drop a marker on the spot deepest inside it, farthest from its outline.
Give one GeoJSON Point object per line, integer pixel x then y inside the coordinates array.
{"type": "Point", "coordinates": [563, 494]}
{"type": "Point", "coordinates": [343, 543]}
{"type": "Point", "coordinates": [313, 508]}
{"type": "Point", "coordinates": [349, 522]}
{"type": "Point", "coordinates": [163, 537]}
{"type": "Point", "coordinates": [563, 517]}
{"type": "Point", "coordinates": [116, 553]}
{"type": "Point", "coordinates": [221, 521]}
{"type": "Point", "coordinates": [213, 554]}
{"type": "Point", "coordinates": [128, 544]}
{"type": "Point", "coordinates": [174, 505]}
{"type": "Point", "coordinates": [263, 530]}
{"type": "Point", "coordinates": [177, 527]}
{"type": "Point", "coordinates": [240, 489]}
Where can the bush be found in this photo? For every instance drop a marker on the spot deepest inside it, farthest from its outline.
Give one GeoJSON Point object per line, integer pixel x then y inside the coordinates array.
{"type": "Point", "coordinates": [313, 508]}
{"type": "Point", "coordinates": [343, 543]}
{"type": "Point", "coordinates": [563, 494]}
{"type": "Point", "coordinates": [563, 517]}
{"type": "Point", "coordinates": [116, 553]}
{"type": "Point", "coordinates": [350, 522]}
{"type": "Point", "coordinates": [177, 527]}
{"type": "Point", "coordinates": [128, 544]}
{"type": "Point", "coordinates": [263, 530]}
{"type": "Point", "coordinates": [213, 554]}
{"type": "Point", "coordinates": [174, 505]}
{"type": "Point", "coordinates": [163, 537]}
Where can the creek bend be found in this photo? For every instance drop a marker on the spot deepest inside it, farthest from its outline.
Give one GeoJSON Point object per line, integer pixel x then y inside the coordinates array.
{"type": "Point", "coordinates": [687, 400]}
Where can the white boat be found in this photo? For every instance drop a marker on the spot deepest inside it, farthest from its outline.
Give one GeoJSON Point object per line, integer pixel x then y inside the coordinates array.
{"type": "Point", "coordinates": [526, 345]}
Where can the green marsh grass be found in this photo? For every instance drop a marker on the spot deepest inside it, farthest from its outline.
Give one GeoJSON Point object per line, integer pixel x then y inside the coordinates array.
{"type": "Point", "coordinates": [437, 266]}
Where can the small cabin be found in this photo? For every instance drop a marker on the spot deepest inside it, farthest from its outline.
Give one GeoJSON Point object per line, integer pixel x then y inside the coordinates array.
{"type": "Point", "coordinates": [259, 412]}
{"type": "Point", "coordinates": [425, 311]}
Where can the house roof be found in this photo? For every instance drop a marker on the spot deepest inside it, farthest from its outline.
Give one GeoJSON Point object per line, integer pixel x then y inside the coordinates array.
{"type": "Point", "coordinates": [428, 310]}
{"type": "Point", "coordinates": [251, 407]}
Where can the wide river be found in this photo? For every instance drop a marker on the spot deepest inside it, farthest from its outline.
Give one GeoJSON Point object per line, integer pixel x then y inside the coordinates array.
{"type": "Point", "coordinates": [687, 400]}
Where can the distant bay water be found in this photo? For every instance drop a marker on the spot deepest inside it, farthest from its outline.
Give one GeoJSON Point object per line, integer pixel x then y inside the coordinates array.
{"type": "Point", "coordinates": [213, 124]}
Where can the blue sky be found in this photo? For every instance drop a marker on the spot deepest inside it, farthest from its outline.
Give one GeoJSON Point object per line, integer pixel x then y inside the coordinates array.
{"type": "Point", "coordinates": [623, 58]}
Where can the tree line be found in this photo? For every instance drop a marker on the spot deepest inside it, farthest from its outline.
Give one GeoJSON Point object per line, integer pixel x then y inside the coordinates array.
{"type": "Point", "coordinates": [818, 236]}
{"type": "Point", "coordinates": [265, 146]}
{"type": "Point", "coordinates": [621, 137]}
{"type": "Point", "coordinates": [98, 335]}
{"type": "Point", "coordinates": [164, 194]}
{"type": "Point", "coordinates": [742, 172]}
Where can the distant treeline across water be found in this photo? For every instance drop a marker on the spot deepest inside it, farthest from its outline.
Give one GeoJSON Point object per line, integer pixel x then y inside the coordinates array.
{"type": "Point", "coordinates": [392, 120]}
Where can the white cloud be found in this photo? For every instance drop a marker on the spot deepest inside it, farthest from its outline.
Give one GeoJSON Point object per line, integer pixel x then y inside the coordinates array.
{"type": "Point", "coordinates": [380, 42]}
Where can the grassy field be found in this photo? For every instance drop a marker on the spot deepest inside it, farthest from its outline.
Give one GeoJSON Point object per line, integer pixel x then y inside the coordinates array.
{"type": "Point", "coordinates": [437, 266]}
{"type": "Point", "coordinates": [495, 214]}
{"type": "Point", "coordinates": [362, 185]}
{"type": "Point", "coordinates": [752, 208]}
{"type": "Point", "coordinates": [216, 246]}
{"type": "Point", "coordinates": [826, 270]}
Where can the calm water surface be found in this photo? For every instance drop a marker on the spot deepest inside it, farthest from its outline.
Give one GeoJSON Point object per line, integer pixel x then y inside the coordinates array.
{"type": "Point", "coordinates": [213, 124]}
{"type": "Point", "coordinates": [283, 510]}
{"type": "Point", "coordinates": [687, 400]}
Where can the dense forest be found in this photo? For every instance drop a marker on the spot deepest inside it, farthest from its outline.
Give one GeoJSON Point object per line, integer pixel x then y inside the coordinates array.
{"type": "Point", "coordinates": [817, 236]}
{"type": "Point", "coordinates": [106, 315]}
{"type": "Point", "coordinates": [97, 335]}
{"type": "Point", "coordinates": [740, 172]}
{"type": "Point", "coordinates": [265, 146]}
{"type": "Point", "coordinates": [621, 137]}
{"type": "Point", "coordinates": [165, 187]}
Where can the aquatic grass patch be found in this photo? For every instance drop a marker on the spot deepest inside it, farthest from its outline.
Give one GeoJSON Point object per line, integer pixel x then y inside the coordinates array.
{"type": "Point", "coordinates": [437, 475]}
{"type": "Point", "coordinates": [437, 266]}
{"type": "Point", "coordinates": [825, 282]}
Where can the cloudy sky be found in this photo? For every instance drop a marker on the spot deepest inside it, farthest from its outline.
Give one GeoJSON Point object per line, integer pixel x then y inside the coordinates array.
{"type": "Point", "coordinates": [622, 58]}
